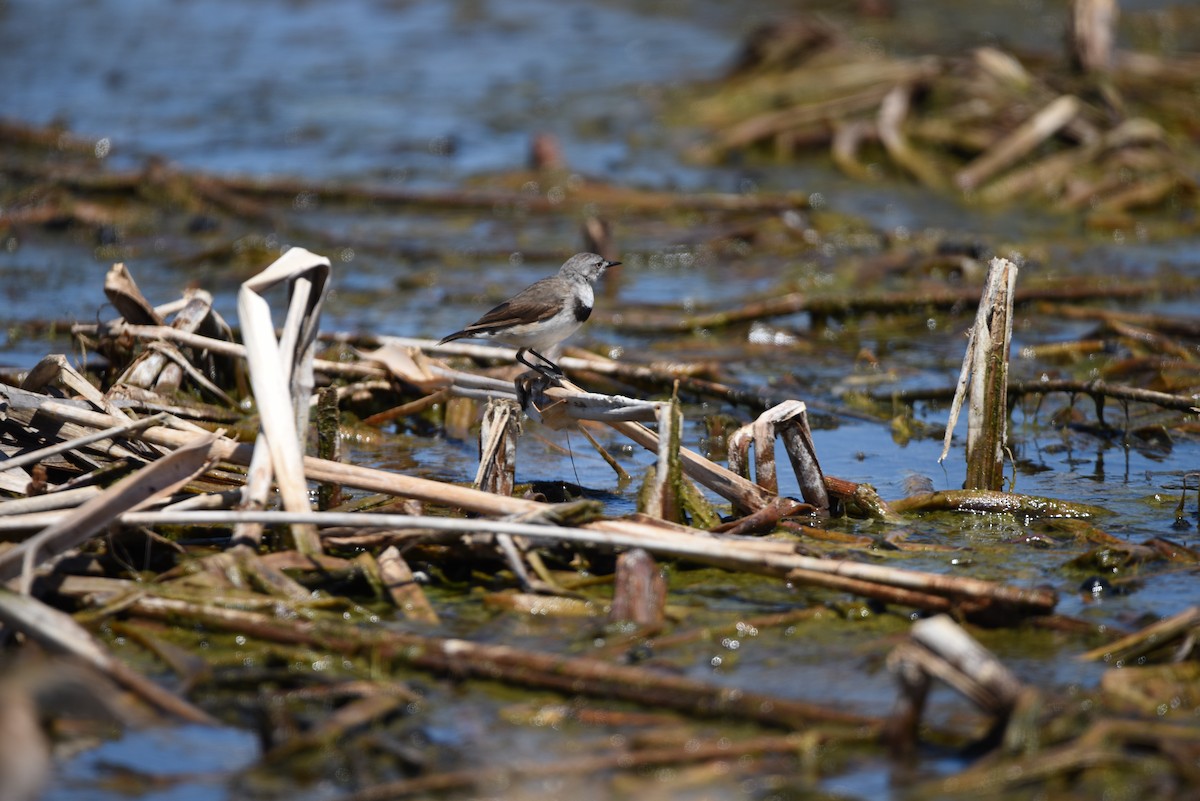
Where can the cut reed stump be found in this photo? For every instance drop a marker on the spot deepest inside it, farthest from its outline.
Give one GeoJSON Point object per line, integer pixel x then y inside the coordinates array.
{"type": "Point", "coordinates": [985, 371]}
{"type": "Point", "coordinates": [938, 648]}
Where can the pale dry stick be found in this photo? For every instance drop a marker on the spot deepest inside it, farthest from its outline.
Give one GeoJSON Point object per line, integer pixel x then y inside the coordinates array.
{"type": "Point", "coordinates": [764, 126]}
{"type": "Point", "coordinates": [62, 499]}
{"type": "Point", "coordinates": [497, 470]}
{"type": "Point", "coordinates": [171, 352]}
{"type": "Point", "coordinates": [575, 360]}
{"type": "Point", "coordinates": [939, 648]}
{"type": "Point", "coordinates": [987, 430]}
{"type": "Point", "coordinates": [16, 480]}
{"type": "Point", "coordinates": [564, 404]}
{"type": "Point", "coordinates": [1152, 636]}
{"type": "Point", "coordinates": [157, 479]}
{"type": "Point", "coordinates": [35, 520]}
{"type": "Point", "coordinates": [1048, 174]}
{"type": "Point", "coordinates": [1028, 135]}
{"type": "Point", "coordinates": [498, 447]}
{"type": "Point", "coordinates": [56, 369]}
{"type": "Point", "coordinates": [150, 370]}
{"type": "Point", "coordinates": [219, 346]}
{"type": "Point", "coordinates": [792, 427]}
{"type": "Point", "coordinates": [33, 457]}
{"type": "Point", "coordinates": [227, 499]}
{"type": "Point", "coordinates": [123, 293]}
{"type": "Point", "coordinates": [892, 112]}
{"type": "Point", "coordinates": [848, 136]}
{"type": "Point", "coordinates": [1091, 34]}
{"type": "Point", "coordinates": [117, 328]}
{"type": "Point", "coordinates": [1004, 69]}
{"type": "Point", "coordinates": [966, 665]}
{"type": "Point", "coordinates": [402, 587]}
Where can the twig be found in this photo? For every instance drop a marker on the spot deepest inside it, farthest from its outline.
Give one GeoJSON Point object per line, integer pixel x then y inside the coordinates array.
{"type": "Point", "coordinates": [1096, 388]}
{"type": "Point", "coordinates": [1041, 126]}
{"type": "Point", "coordinates": [33, 457]}
{"type": "Point", "coordinates": [159, 478]}
{"type": "Point", "coordinates": [1153, 636]}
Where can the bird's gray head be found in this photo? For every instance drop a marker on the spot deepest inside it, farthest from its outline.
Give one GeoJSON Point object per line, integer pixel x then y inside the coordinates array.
{"type": "Point", "coordinates": [586, 266]}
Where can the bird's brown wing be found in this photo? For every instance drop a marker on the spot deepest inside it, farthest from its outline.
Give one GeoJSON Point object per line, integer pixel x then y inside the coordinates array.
{"type": "Point", "coordinates": [527, 306]}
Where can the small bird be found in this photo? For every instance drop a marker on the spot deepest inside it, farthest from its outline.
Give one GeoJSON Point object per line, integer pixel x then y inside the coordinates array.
{"type": "Point", "coordinates": [542, 314]}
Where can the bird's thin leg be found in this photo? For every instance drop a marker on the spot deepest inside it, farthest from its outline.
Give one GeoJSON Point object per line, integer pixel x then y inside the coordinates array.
{"type": "Point", "coordinates": [547, 368]}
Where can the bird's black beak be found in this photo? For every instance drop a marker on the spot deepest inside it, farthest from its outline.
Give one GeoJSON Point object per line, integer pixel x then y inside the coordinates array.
{"type": "Point", "coordinates": [608, 264]}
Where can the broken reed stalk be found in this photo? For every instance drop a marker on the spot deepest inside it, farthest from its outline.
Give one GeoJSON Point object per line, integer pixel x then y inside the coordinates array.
{"type": "Point", "coordinates": [497, 471]}
{"type": "Point", "coordinates": [639, 592]}
{"type": "Point", "coordinates": [158, 479]}
{"type": "Point", "coordinates": [1091, 34]}
{"type": "Point", "coordinates": [1154, 636]}
{"type": "Point", "coordinates": [498, 447]}
{"type": "Point", "coordinates": [281, 371]}
{"type": "Point", "coordinates": [329, 444]}
{"type": "Point", "coordinates": [403, 589]}
{"type": "Point", "coordinates": [788, 421]}
{"type": "Point", "coordinates": [938, 648]}
{"type": "Point", "coordinates": [663, 493]}
{"type": "Point", "coordinates": [985, 371]}
{"type": "Point", "coordinates": [1041, 126]}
